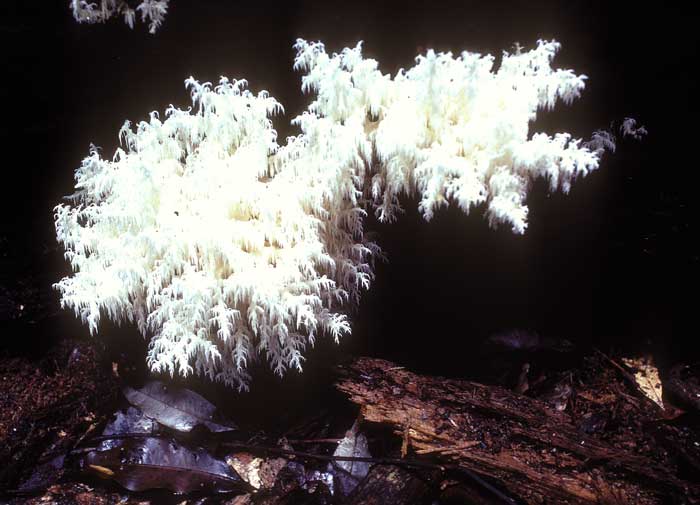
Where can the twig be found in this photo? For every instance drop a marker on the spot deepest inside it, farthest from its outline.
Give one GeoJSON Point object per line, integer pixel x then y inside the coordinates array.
{"type": "Point", "coordinates": [323, 457]}
{"type": "Point", "coordinates": [314, 440]}
{"type": "Point", "coordinates": [628, 376]}
{"type": "Point", "coordinates": [624, 372]}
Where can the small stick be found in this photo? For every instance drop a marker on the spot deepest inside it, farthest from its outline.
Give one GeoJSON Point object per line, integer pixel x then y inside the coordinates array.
{"type": "Point", "coordinates": [314, 440]}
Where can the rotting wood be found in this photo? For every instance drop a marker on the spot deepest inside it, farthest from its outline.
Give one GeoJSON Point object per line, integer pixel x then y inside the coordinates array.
{"type": "Point", "coordinates": [533, 451]}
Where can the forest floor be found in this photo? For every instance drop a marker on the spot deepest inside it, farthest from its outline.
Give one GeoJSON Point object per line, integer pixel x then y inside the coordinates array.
{"type": "Point", "coordinates": [590, 430]}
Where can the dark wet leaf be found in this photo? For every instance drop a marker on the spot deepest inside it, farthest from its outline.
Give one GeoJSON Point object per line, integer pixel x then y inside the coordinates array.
{"type": "Point", "coordinates": [517, 340]}
{"type": "Point", "coordinates": [512, 340]}
{"type": "Point", "coordinates": [131, 421]}
{"type": "Point", "coordinates": [174, 407]}
{"type": "Point", "coordinates": [159, 463]}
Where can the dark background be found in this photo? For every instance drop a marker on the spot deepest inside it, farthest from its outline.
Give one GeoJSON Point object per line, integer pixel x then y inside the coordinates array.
{"type": "Point", "coordinates": [611, 264]}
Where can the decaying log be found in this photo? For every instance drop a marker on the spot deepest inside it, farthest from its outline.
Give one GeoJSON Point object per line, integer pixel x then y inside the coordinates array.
{"type": "Point", "coordinates": [534, 452]}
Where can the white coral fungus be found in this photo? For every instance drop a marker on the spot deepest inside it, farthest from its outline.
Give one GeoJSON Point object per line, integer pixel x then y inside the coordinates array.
{"type": "Point", "coordinates": [152, 11]}
{"type": "Point", "coordinates": [221, 245]}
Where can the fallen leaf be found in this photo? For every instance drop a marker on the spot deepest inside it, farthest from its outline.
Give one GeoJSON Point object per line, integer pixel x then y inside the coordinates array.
{"type": "Point", "coordinates": [131, 421]}
{"type": "Point", "coordinates": [160, 463]}
{"type": "Point", "coordinates": [247, 466]}
{"type": "Point", "coordinates": [646, 375]}
{"type": "Point", "coordinates": [348, 474]}
{"type": "Point", "coordinates": [174, 407]}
